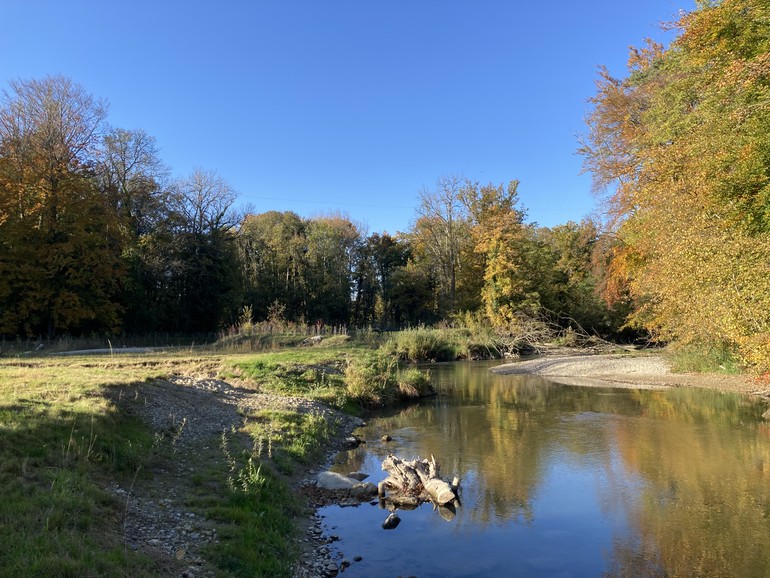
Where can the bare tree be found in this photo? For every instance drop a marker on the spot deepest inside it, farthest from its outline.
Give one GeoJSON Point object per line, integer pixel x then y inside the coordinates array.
{"type": "Point", "coordinates": [133, 177]}
{"type": "Point", "coordinates": [205, 202]}
{"type": "Point", "coordinates": [52, 121]}
{"type": "Point", "coordinates": [441, 221]}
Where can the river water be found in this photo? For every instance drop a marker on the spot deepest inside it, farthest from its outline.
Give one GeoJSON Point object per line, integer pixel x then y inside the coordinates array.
{"type": "Point", "coordinates": [564, 481]}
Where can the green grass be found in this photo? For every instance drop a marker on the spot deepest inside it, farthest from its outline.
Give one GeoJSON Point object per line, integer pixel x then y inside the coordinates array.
{"type": "Point", "coordinates": [703, 358]}
{"type": "Point", "coordinates": [314, 373]}
{"type": "Point", "coordinates": [288, 437]}
{"type": "Point", "coordinates": [423, 344]}
{"type": "Point", "coordinates": [57, 445]}
{"type": "Point", "coordinates": [64, 438]}
{"type": "Point", "coordinates": [254, 509]}
{"type": "Point", "coordinates": [377, 380]}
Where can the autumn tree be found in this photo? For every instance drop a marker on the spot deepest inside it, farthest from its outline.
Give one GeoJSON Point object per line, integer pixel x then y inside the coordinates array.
{"type": "Point", "coordinates": [60, 267]}
{"type": "Point", "coordinates": [683, 143]}
{"type": "Point", "coordinates": [498, 233]}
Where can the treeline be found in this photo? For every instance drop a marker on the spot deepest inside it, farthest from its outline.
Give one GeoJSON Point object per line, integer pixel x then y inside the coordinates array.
{"type": "Point", "coordinates": [96, 238]}
{"type": "Point", "coordinates": [683, 145]}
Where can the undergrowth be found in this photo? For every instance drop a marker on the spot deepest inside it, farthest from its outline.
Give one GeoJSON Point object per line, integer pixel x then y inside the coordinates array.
{"type": "Point", "coordinates": [703, 358]}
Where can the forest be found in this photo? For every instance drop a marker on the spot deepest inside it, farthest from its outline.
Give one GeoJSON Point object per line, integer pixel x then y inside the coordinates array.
{"type": "Point", "coordinates": [97, 237]}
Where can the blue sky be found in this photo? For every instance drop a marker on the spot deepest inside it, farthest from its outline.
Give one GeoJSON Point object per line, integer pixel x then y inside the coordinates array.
{"type": "Point", "coordinates": [323, 105]}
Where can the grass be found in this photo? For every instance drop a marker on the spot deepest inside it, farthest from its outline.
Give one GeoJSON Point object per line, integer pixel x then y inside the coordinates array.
{"type": "Point", "coordinates": [64, 438]}
{"type": "Point", "coordinates": [60, 437]}
{"type": "Point", "coordinates": [703, 358]}
{"type": "Point", "coordinates": [377, 380]}
{"type": "Point", "coordinates": [289, 437]}
{"type": "Point", "coordinates": [422, 344]}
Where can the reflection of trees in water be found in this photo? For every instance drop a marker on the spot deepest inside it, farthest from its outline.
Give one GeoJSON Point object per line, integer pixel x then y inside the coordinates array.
{"type": "Point", "coordinates": [705, 508]}
{"type": "Point", "coordinates": [689, 469]}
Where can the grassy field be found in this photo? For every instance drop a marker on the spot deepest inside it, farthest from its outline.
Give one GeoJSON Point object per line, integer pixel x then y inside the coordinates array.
{"type": "Point", "coordinates": [65, 438]}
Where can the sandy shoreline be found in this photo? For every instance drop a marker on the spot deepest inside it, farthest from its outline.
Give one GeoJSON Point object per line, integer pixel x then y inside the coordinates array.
{"type": "Point", "coordinates": [623, 370]}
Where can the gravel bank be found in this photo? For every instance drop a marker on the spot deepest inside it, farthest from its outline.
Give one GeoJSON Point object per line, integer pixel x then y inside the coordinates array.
{"type": "Point", "coordinates": [191, 413]}
{"type": "Point", "coordinates": [624, 370]}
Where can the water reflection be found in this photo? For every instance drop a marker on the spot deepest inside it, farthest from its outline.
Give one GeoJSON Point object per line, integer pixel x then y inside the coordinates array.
{"type": "Point", "coordinates": [571, 481]}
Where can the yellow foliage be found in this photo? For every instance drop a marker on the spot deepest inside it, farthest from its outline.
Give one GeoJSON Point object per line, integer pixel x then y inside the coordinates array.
{"type": "Point", "coordinates": [686, 139]}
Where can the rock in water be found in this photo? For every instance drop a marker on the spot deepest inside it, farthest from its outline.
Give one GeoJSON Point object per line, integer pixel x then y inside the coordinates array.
{"type": "Point", "coordinates": [364, 490]}
{"type": "Point", "coordinates": [335, 481]}
{"type": "Point", "coordinates": [391, 522]}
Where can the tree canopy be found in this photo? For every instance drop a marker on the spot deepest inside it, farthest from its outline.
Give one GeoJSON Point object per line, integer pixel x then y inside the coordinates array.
{"type": "Point", "coordinates": [683, 145]}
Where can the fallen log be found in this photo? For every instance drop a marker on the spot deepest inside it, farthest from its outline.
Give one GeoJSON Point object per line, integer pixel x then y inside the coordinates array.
{"type": "Point", "coordinates": [416, 478]}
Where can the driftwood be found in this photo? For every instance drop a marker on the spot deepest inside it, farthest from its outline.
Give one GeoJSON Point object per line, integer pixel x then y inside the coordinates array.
{"type": "Point", "coordinates": [411, 483]}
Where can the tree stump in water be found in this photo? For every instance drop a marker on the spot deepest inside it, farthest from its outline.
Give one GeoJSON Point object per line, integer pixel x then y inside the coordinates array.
{"type": "Point", "coordinates": [409, 483]}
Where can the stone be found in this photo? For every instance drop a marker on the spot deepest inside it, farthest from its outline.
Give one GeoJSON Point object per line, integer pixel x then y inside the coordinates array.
{"type": "Point", "coordinates": [360, 476]}
{"type": "Point", "coordinates": [386, 438]}
{"type": "Point", "coordinates": [364, 491]}
{"type": "Point", "coordinates": [353, 441]}
{"type": "Point", "coordinates": [391, 522]}
{"type": "Point", "coordinates": [335, 481]}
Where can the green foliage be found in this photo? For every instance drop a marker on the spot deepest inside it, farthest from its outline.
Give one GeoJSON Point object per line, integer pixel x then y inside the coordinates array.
{"type": "Point", "coordinates": [377, 380]}
{"type": "Point", "coordinates": [423, 344]}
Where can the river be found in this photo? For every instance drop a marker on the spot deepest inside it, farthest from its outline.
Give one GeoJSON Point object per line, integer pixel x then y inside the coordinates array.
{"type": "Point", "coordinates": [565, 481]}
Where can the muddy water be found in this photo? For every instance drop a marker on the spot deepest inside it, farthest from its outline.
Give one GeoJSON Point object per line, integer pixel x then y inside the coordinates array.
{"type": "Point", "coordinates": [564, 481]}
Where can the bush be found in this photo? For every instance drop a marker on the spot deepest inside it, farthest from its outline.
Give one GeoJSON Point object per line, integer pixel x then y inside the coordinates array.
{"type": "Point", "coordinates": [377, 380]}
{"type": "Point", "coordinates": [703, 358]}
{"type": "Point", "coordinates": [423, 344]}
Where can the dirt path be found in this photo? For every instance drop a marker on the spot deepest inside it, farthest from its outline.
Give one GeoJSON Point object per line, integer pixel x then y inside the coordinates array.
{"type": "Point", "coordinates": [623, 370]}
{"type": "Point", "coordinates": [190, 415]}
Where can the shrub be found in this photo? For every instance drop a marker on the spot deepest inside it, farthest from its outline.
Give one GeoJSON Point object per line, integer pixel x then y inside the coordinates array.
{"type": "Point", "coordinates": [377, 380]}
{"type": "Point", "coordinates": [423, 344]}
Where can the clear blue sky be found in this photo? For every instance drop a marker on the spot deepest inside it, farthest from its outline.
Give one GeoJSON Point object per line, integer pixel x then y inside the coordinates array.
{"type": "Point", "coordinates": [323, 105]}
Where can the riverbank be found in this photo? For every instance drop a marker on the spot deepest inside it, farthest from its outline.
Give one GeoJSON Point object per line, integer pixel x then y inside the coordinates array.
{"type": "Point", "coordinates": [176, 457]}
{"type": "Point", "coordinates": [631, 371]}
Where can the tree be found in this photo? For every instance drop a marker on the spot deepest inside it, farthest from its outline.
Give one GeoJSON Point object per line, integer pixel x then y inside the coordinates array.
{"type": "Point", "coordinates": [379, 260]}
{"type": "Point", "coordinates": [684, 139]}
{"type": "Point", "coordinates": [273, 248]}
{"type": "Point", "coordinates": [132, 176]}
{"type": "Point", "coordinates": [60, 268]}
{"type": "Point", "coordinates": [206, 274]}
{"type": "Point", "coordinates": [498, 234]}
{"type": "Point", "coordinates": [441, 232]}
{"type": "Point", "coordinates": [331, 244]}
